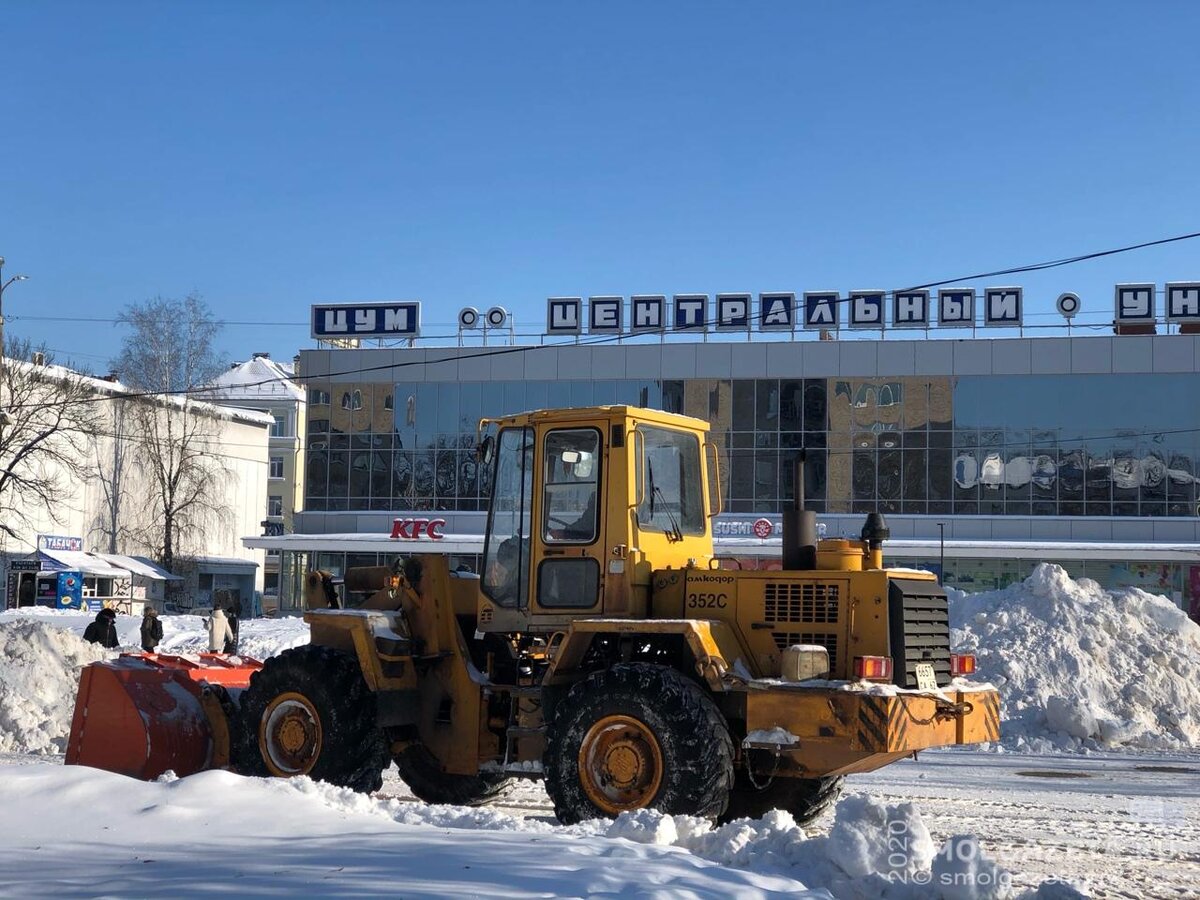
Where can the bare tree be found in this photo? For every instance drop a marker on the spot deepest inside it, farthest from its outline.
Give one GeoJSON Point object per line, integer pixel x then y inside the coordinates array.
{"type": "Point", "coordinates": [169, 352]}
{"type": "Point", "coordinates": [46, 435]}
{"type": "Point", "coordinates": [111, 470]}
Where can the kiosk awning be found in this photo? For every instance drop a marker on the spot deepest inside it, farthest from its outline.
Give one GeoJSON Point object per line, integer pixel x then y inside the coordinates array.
{"type": "Point", "coordinates": [77, 560]}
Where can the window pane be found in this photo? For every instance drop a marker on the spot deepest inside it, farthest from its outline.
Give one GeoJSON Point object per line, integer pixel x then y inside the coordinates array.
{"type": "Point", "coordinates": [339, 473]}
{"type": "Point", "coordinates": [581, 393]}
{"type": "Point", "coordinates": [360, 474]}
{"type": "Point", "coordinates": [404, 416]}
{"type": "Point", "coordinates": [316, 475]}
{"type": "Point", "coordinates": [537, 394]}
{"type": "Point", "coordinates": [671, 482]}
{"type": "Point", "coordinates": [743, 405]}
{"type": "Point", "coordinates": [506, 553]}
{"type": "Point", "coordinates": [381, 474]}
{"type": "Point", "coordinates": [569, 583]}
{"type": "Point", "coordinates": [791, 405]}
{"type": "Point", "coordinates": [571, 477]}
{"type": "Point", "coordinates": [426, 414]}
{"type": "Point", "coordinates": [448, 408]}
{"type": "Point", "coordinates": [470, 398]}
{"type": "Point", "coordinates": [514, 397]}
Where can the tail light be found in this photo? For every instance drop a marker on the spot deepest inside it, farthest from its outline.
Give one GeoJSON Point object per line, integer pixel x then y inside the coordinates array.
{"type": "Point", "coordinates": [962, 664]}
{"type": "Point", "coordinates": [873, 668]}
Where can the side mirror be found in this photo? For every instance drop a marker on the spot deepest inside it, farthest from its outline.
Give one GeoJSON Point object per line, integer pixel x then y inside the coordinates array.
{"type": "Point", "coordinates": [486, 450]}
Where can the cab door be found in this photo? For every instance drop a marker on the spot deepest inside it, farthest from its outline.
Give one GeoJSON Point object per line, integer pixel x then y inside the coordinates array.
{"type": "Point", "coordinates": [569, 540]}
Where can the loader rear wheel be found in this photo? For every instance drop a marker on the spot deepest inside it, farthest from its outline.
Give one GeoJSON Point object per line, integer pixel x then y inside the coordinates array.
{"type": "Point", "coordinates": [308, 711]}
{"type": "Point", "coordinates": [637, 736]}
{"type": "Point", "coordinates": [805, 798]}
{"type": "Point", "coordinates": [425, 778]}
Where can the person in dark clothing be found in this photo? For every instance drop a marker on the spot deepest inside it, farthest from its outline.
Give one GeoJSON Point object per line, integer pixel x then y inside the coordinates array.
{"type": "Point", "coordinates": [152, 630]}
{"type": "Point", "coordinates": [231, 642]}
{"type": "Point", "coordinates": [103, 631]}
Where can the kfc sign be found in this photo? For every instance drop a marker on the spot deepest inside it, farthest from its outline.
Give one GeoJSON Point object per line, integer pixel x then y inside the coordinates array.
{"type": "Point", "coordinates": [417, 529]}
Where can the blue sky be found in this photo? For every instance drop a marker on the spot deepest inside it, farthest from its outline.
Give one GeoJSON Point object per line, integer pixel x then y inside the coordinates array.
{"type": "Point", "coordinates": [273, 155]}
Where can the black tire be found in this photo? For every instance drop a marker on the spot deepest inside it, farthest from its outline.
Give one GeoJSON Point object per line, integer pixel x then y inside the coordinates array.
{"type": "Point", "coordinates": [426, 779]}
{"type": "Point", "coordinates": [805, 798]}
{"type": "Point", "coordinates": [316, 694]}
{"type": "Point", "coordinates": [634, 716]}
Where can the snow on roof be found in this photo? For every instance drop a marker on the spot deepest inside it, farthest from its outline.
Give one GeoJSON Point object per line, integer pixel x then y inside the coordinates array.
{"type": "Point", "coordinates": [212, 563]}
{"type": "Point", "coordinates": [105, 386]}
{"type": "Point", "coordinates": [139, 566]}
{"type": "Point", "coordinates": [258, 378]}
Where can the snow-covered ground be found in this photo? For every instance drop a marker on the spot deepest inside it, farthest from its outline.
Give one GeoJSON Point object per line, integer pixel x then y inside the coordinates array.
{"type": "Point", "coordinates": [1111, 678]}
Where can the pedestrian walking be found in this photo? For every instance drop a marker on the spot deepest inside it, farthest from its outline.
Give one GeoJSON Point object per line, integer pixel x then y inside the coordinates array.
{"type": "Point", "coordinates": [231, 616]}
{"type": "Point", "coordinates": [152, 630]}
{"type": "Point", "coordinates": [219, 632]}
{"type": "Point", "coordinates": [103, 630]}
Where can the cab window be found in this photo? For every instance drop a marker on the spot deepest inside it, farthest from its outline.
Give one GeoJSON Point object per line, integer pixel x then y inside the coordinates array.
{"type": "Point", "coordinates": [571, 476]}
{"type": "Point", "coordinates": [669, 482]}
{"type": "Point", "coordinates": [506, 552]}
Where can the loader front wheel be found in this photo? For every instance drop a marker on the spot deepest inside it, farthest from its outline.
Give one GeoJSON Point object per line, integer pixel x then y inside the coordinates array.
{"type": "Point", "coordinates": [805, 798]}
{"type": "Point", "coordinates": [308, 711]}
{"type": "Point", "coordinates": [637, 736]}
{"type": "Point", "coordinates": [424, 776]}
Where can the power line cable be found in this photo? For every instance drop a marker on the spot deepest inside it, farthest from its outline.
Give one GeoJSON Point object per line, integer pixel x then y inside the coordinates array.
{"type": "Point", "coordinates": [211, 392]}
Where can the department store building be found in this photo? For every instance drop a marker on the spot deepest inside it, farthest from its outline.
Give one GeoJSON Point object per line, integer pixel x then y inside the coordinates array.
{"type": "Point", "coordinates": [986, 454]}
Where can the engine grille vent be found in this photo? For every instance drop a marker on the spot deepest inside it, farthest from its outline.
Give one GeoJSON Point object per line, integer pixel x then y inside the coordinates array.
{"type": "Point", "coordinates": [785, 639]}
{"type": "Point", "coordinates": [920, 630]}
{"type": "Point", "coordinates": [800, 601]}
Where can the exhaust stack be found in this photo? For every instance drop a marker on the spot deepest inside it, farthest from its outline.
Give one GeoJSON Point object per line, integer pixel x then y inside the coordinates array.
{"type": "Point", "coordinates": [799, 526]}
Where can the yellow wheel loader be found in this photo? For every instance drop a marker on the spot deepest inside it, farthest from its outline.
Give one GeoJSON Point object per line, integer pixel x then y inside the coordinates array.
{"type": "Point", "coordinates": [605, 649]}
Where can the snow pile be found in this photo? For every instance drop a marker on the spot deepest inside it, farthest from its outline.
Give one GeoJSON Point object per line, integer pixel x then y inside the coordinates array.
{"type": "Point", "coordinates": [1080, 667]}
{"type": "Point", "coordinates": [42, 651]}
{"type": "Point", "coordinates": [77, 832]}
{"type": "Point", "coordinates": [258, 638]}
{"type": "Point", "coordinates": [961, 871]}
{"type": "Point", "coordinates": [873, 850]}
{"type": "Point", "coordinates": [38, 680]}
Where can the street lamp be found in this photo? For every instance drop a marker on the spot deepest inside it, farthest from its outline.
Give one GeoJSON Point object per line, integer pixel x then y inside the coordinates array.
{"type": "Point", "coordinates": [4, 417]}
{"type": "Point", "coordinates": [4, 286]}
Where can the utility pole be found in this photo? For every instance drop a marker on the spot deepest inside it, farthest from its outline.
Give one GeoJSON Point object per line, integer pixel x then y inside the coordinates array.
{"type": "Point", "coordinates": [941, 552]}
{"type": "Point", "coordinates": [4, 418]}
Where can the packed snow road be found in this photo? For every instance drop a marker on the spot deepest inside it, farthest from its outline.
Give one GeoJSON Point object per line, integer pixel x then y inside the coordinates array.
{"type": "Point", "coordinates": [1117, 825]}
{"type": "Point", "coordinates": [1126, 826]}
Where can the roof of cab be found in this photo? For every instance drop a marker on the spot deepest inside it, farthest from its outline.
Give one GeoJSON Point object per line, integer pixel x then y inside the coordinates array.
{"type": "Point", "coordinates": [582, 413]}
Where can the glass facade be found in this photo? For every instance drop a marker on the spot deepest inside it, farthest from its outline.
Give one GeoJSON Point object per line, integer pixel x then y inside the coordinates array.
{"type": "Point", "coordinates": [1053, 445]}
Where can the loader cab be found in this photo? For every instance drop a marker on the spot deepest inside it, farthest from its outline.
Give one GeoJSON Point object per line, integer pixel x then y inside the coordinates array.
{"type": "Point", "coordinates": [581, 501]}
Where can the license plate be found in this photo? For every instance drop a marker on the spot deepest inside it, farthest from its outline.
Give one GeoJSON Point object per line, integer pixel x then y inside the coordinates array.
{"type": "Point", "coordinates": [926, 680]}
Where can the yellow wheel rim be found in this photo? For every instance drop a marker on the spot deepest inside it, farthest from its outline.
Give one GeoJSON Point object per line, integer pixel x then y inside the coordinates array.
{"type": "Point", "coordinates": [289, 735]}
{"type": "Point", "coordinates": [620, 764]}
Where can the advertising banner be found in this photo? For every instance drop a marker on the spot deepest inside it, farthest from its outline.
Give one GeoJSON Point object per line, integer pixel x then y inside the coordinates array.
{"type": "Point", "coordinates": [70, 592]}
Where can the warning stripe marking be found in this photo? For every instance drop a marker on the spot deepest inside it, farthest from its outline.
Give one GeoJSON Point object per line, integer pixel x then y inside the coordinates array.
{"type": "Point", "coordinates": [991, 717]}
{"type": "Point", "coordinates": [898, 724]}
{"type": "Point", "coordinates": [872, 723]}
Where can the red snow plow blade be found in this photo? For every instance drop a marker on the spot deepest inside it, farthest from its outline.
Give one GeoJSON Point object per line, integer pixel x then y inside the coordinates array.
{"type": "Point", "coordinates": [144, 713]}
